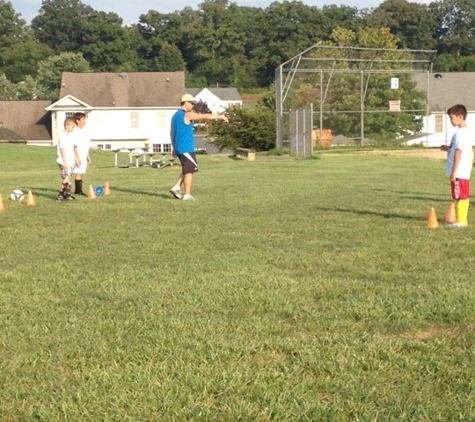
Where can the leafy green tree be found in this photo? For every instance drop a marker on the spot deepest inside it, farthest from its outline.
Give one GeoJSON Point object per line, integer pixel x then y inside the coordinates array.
{"type": "Point", "coordinates": [59, 24]}
{"type": "Point", "coordinates": [341, 16]}
{"type": "Point", "coordinates": [455, 26]}
{"type": "Point", "coordinates": [50, 72]}
{"type": "Point", "coordinates": [22, 58]}
{"type": "Point", "coordinates": [411, 23]}
{"type": "Point", "coordinates": [27, 89]}
{"type": "Point", "coordinates": [12, 26]}
{"type": "Point", "coordinates": [105, 43]}
{"type": "Point", "coordinates": [161, 34]}
{"type": "Point", "coordinates": [219, 44]}
{"type": "Point", "coordinates": [19, 51]}
{"type": "Point", "coordinates": [247, 128]}
{"type": "Point", "coordinates": [8, 90]}
{"type": "Point", "coordinates": [285, 29]}
{"type": "Point", "coordinates": [451, 63]}
{"type": "Point", "coordinates": [169, 59]}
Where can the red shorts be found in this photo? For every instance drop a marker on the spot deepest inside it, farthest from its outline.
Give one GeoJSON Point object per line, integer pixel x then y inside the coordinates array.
{"type": "Point", "coordinates": [460, 189]}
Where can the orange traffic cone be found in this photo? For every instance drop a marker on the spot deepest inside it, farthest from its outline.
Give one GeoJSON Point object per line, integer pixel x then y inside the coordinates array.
{"type": "Point", "coordinates": [91, 194]}
{"type": "Point", "coordinates": [432, 222]}
{"type": "Point", "coordinates": [30, 199]}
{"type": "Point", "coordinates": [107, 189]}
{"type": "Point", "coordinates": [451, 215]}
{"type": "Point", "coordinates": [2, 204]}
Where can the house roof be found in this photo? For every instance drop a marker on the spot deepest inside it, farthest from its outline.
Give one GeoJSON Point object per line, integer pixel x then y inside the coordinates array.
{"type": "Point", "coordinates": [447, 89]}
{"type": "Point", "coordinates": [224, 94]}
{"type": "Point", "coordinates": [25, 120]}
{"type": "Point", "coordinates": [134, 89]}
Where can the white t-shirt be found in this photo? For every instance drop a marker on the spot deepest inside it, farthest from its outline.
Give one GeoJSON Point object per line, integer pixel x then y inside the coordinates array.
{"type": "Point", "coordinates": [66, 142]}
{"type": "Point", "coordinates": [462, 140]}
{"type": "Point", "coordinates": [82, 142]}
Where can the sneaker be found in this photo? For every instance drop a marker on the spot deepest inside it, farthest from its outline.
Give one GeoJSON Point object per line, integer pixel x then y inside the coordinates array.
{"type": "Point", "coordinates": [456, 224]}
{"type": "Point", "coordinates": [69, 198]}
{"type": "Point", "coordinates": [176, 193]}
{"type": "Point", "coordinates": [60, 197]}
{"type": "Point", "coordinates": [188, 198]}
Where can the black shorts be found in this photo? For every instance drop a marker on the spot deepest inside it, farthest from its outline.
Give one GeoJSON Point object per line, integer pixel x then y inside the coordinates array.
{"type": "Point", "coordinates": [188, 162]}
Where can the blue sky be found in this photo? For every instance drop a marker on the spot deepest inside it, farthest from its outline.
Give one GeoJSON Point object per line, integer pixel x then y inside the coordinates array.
{"type": "Point", "coordinates": [130, 10]}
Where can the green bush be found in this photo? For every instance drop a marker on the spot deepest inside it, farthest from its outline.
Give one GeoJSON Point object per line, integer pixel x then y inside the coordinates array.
{"type": "Point", "coordinates": [254, 129]}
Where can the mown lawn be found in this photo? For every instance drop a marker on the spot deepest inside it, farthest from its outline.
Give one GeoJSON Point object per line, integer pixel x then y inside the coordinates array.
{"type": "Point", "coordinates": [291, 290]}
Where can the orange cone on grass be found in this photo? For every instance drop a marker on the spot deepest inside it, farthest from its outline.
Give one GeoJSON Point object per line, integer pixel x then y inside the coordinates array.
{"type": "Point", "coordinates": [2, 204]}
{"type": "Point", "coordinates": [91, 194]}
{"type": "Point", "coordinates": [107, 189]}
{"type": "Point", "coordinates": [451, 214]}
{"type": "Point", "coordinates": [432, 222]}
{"type": "Point", "coordinates": [30, 199]}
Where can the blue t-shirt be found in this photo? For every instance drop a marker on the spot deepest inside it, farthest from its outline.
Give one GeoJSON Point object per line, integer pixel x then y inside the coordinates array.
{"type": "Point", "coordinates": [182, 133]}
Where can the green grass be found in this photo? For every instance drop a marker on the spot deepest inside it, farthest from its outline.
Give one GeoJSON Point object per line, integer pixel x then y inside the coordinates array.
{"type": "Point", "coordinates": [291, 290]}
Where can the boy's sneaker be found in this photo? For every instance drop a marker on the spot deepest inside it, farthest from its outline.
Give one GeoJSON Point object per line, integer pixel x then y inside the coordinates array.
{"type": "Point", "coordinates": [176, 193]}
{"type": "Point", "coordinates": [60, 197]}
{"type": "Point", "coordinates": [188, 198]}
{"type": "Point", "coordinates": [456, 225]}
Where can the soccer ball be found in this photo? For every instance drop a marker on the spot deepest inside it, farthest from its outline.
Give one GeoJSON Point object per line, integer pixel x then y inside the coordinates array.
{"type": "Point", "coordinates": [99, 190]}
{"type": "Point", "coordinates": [17, 195]}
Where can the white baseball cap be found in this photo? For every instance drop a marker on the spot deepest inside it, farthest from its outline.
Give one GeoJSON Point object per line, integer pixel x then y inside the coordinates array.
{"type": "Point", "coordinates": [188, 98]}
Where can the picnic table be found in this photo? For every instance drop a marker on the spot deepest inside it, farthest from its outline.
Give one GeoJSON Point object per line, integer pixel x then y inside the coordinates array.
{"type": "Point", "coordinates": [138, 157]}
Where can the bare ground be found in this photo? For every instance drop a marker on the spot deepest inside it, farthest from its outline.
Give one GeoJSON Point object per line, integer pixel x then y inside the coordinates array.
{"type": "Point", "coordinates": [433, 153]}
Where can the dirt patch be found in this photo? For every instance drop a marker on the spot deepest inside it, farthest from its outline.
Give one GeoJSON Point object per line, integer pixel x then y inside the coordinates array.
{"type": "Point", "coordinates": [433, 153]}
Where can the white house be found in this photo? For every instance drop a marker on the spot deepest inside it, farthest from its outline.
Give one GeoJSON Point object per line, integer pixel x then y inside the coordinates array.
{"type": "Point", "coordinates": [217, 99]}
{"type": "Point", "coordinates": [445, 90]}
{"type": "Point", "coordinates": [125, 110]}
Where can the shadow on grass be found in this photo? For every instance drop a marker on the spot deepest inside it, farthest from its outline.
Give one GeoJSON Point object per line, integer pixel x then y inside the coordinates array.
{"type": "Point", "coordinates": [417, 196]}
{"type": "Point", "coordinates": [45, 192]}
{"type": "Point", "coordinates": [375, 213]}
{"type": "Point", "coordinates": [165, 195]}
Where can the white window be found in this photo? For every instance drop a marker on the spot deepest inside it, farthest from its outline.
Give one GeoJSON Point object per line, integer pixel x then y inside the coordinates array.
{"type": "Point", "coordinates": [162, 118]}
{"type": "Point", "coordinates": [439, 123]}
{"type": "Point", "coordinates": [134, 120]}
{"type": "Point", "coordinates": [157, 147]}
{"type": "Point", "coordinates": [108, 147]}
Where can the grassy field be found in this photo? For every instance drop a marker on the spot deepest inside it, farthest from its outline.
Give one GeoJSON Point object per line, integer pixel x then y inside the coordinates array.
{"type": "Point", "coordinates": [291, 290]}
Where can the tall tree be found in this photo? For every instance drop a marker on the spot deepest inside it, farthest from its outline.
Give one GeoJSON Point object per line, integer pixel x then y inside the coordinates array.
{"type": "Point", "coordinates": [219, 43]}
{"type": "Point", "coordinates": [455, 26]}
{"type": "Point", "coordinates": [19, 51]}
{"type": "Point", "coordinates": [412, 23]}
{"type": "Point", "coordinates": [59, 24]}
{"type": "Point", "coordinates": [8, 89]}
{"type": "Point", "coordinates": [50, 72]}
{"type": "Point", "coordinates": [285, 29]}
{"type": "Point", "coordinates": [105, 43]}
{"type": "Point", "coordinates": [169, 59]}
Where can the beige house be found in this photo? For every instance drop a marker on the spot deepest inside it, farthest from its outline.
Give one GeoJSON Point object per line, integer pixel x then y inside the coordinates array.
{"type": "Point", "coordinates": [125, 110]}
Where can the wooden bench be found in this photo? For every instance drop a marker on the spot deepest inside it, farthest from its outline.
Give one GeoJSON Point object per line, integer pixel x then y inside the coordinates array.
{"type": "Point", "coordinates": [245, 154]}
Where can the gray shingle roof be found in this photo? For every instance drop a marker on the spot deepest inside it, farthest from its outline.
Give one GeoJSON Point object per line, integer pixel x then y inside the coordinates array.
{"type": "Point", "coordinates": [224, 94]}
{"type": "Point", "coordinates": [28, 119]}
{"type": "Point", "coordinates": [447, 89]}
{"type": "Point", "coordinates": [134, 89]}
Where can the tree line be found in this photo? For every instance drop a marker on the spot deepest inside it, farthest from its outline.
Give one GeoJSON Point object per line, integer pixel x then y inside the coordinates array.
{"type": "Point", "coordinates": [218, 43]}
